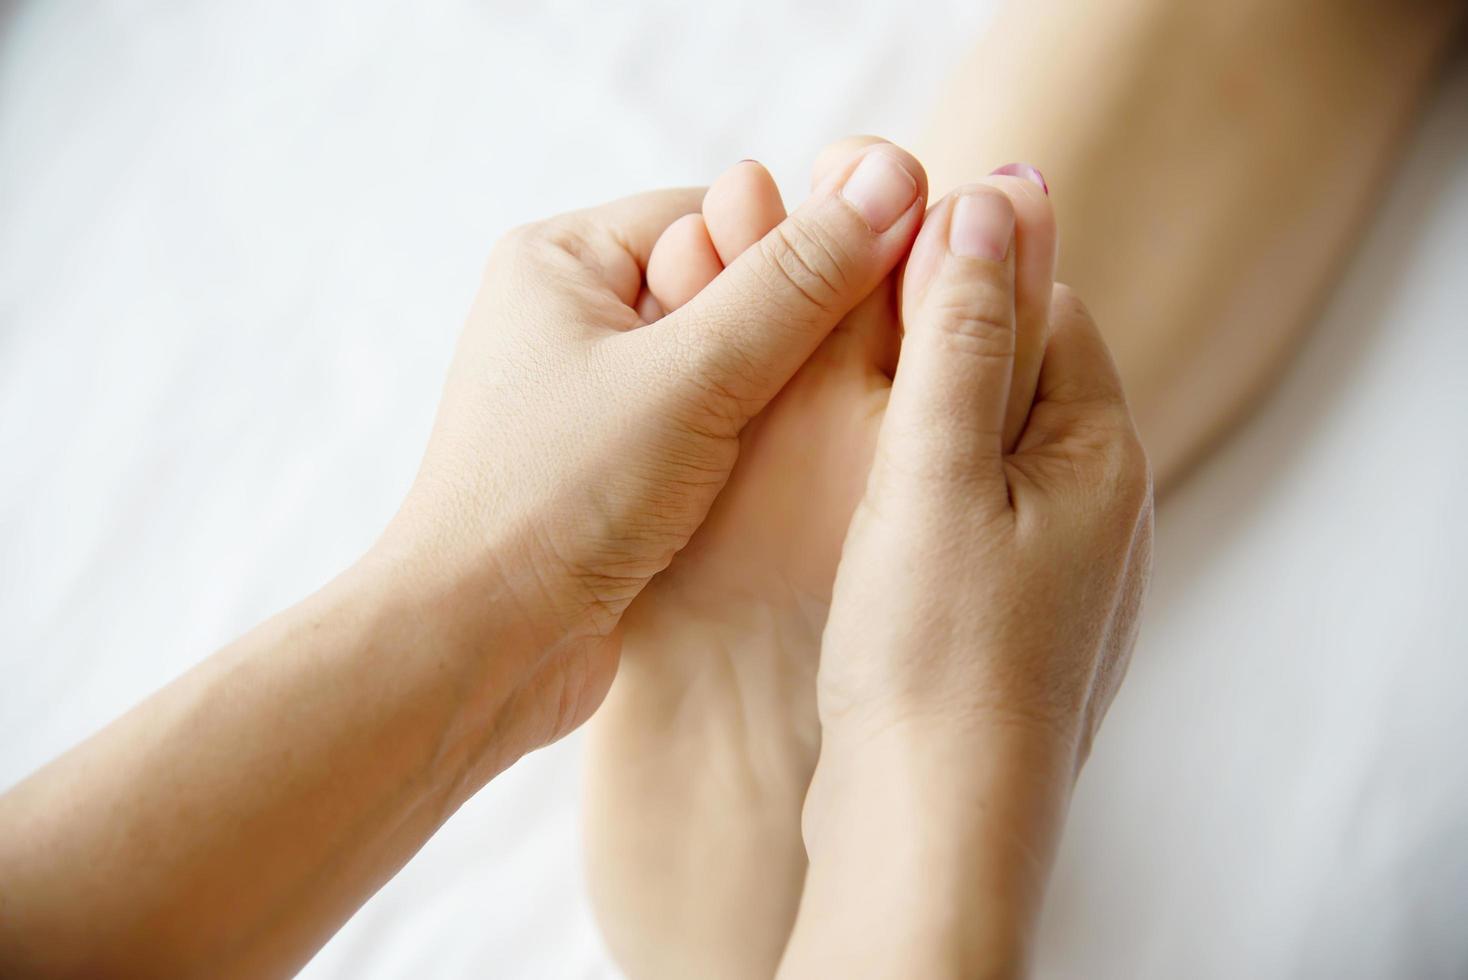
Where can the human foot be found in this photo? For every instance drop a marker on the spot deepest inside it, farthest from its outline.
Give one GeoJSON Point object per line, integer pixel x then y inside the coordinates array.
{"type": "Point", "coordinates": [702, 753]}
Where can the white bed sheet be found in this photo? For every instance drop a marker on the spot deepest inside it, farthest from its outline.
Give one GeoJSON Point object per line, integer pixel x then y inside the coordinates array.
{"type": "Point", "coordinates": [236, 242]}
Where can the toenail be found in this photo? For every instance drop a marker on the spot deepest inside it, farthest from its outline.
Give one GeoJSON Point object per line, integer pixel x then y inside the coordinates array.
{"type": "Point", "coordinates": [881, 189]}
{"type": "Point", "coordinates": [981, 226]}
{"type": "Point", "coordinates": [1032, 174]}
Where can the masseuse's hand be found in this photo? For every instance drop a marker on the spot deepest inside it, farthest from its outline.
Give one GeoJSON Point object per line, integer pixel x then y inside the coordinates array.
{"type": "Point", "coordinates": [984, 610]}
{"type": "Point", "coordinates": [577, 449]}
{"type": "Point", "coordinates": [228, 825]}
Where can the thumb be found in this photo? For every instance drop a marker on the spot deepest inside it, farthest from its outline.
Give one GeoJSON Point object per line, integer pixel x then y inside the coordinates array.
{"type": "Point", "coordinates": [946, 415]}
{"type": "Point", "coordinates": [751, 328]}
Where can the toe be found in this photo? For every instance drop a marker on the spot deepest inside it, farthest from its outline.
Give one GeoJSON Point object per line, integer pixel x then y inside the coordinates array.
{"type": "Point", "coordinates": [836, 155]}
{"type": "Point", "coordinates": [741, 207]}
{"type": "Point", "coordinates": [682, 262]}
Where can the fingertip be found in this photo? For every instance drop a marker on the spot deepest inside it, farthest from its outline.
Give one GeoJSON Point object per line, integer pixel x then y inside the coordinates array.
{"type": "Point", "coordinates": [953, 375]}
{"type": "Point", "coordinates": [1034, 213]}
{"type": "Point", "coordinates": [882, 182]}
{"type": "Point", "coordinates": [1037, 247]}
{"type": "Point", "coordinates": [981, 225]}
{"type": "Point", "coordinates": [975, 221]}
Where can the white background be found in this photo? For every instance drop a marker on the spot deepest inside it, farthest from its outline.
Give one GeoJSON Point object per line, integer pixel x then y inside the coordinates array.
{"type": "Point", "coordinates": [236, 243]}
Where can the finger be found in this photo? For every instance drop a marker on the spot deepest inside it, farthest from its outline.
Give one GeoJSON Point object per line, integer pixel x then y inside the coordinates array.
{"type": "Point", "coordinates": [754, 325]}
{"type": "Point", "coordinates": [949, 397]}
{"type": "Point", "coordinates": [615, 240]}
{"type": "Point", "coordinates": [1035, 252]}
{"type": "Point", "coordinates": [683, 261]}
{"type": "Point", "coordinates": [741, 207]}
{"type": "Point", "coordinates": [871, 323]}
{"type": "Point", "coordinates": [871, 319]}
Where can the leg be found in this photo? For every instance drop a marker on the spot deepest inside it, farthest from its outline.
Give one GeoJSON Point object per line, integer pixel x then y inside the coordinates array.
{"type": "Point", "coordinates": [1255, 134]}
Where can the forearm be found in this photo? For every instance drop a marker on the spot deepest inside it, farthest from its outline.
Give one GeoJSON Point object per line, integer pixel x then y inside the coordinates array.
{"type": "Point", "coordinates": [929, 855]}
{"type": "Point", "coordinates": [232, 822]}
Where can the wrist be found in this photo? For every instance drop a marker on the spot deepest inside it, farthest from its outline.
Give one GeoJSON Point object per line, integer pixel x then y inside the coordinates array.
{"type": "Point", "coordinates": [475, 588]}
{"type": "Point", "coordinates": [461, 634]}
{"type": "Point", "coordinates": [929, 852]}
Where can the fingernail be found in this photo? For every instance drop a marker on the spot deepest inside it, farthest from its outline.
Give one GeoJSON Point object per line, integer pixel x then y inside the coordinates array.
{"type": "Point", "coordinates": [881, 189]}
{"type": "Point", "coordinates": [1032, 174]}
{"type": "Point", "coordinates": [981, 226]}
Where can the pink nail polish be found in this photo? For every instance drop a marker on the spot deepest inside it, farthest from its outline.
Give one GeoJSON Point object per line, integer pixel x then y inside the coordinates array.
{"type": "Point", "coordinates": [1032, 174]}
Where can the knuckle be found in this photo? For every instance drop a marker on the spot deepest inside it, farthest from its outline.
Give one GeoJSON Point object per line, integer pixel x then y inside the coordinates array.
{"type": "Point", "coordinates": [521, 238]}
{"type": "Point", "coordinates": [536, 242]}
{"type": "Point", "coordinates": [516, 248]}
{"type": "Point", "coordinates": [717, 381]}
{"type": "Point", "coordinates": [808, 260]}
{"type": "Point", "coordinates": [1064, 303]}
{"type": "Point", "coordinates": [926, 473]}
{"type": "Point", "coordinates": [723, 372]}
{"type": "Point", "coordinates": [1128, 473]}
{"type": "Point", "coordinates": [977, 322]}
{"type": "Point", "coordinates": [723, 392]}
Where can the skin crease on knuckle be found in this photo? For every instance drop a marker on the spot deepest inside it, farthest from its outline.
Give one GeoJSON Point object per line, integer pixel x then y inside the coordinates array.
{"type": "Point", "coordinates": [926, 491]}
{"type": "Point", "coordinates": [809, 263]}
{"type": "Point", "coordinates": [704, 350]}
{"type": "Point", "coordinates": [972, 321]}
{"type": "Point", "coordinates": [1090, 453]}
{"type": "Point", "coordinates": [521, 246]}
{"type": "Point", "coordinates": [709, 400]}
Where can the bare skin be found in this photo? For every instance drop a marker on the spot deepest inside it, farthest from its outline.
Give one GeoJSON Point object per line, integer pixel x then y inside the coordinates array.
{"type": "Point", "coordinates": [1211, 165]}
{"type": "Point", "coordinates": [711, 723]}
{"type": "Point", "coordinates": [228, 825]}
{"type": "Point", "coordinates": [964, 675]}
{"type": "Point", "coordinates": [1261, 130]}
{"type": "Point", "coordinates": [702, 755]}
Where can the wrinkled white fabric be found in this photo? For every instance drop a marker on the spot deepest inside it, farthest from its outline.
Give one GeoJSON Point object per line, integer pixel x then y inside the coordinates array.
{"type": "Point", "coordinates": [237, 242]}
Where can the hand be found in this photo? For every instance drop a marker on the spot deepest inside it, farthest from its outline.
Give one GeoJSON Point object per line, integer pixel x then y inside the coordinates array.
{"type": "Point", "coordinates": [232, 822]}
{"type": "Point", "coordinates": [578, 447]}
{"type": "Point", "coordinates": [984, 609]}
{"type": "Point", "coordinates": [699, 761]}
